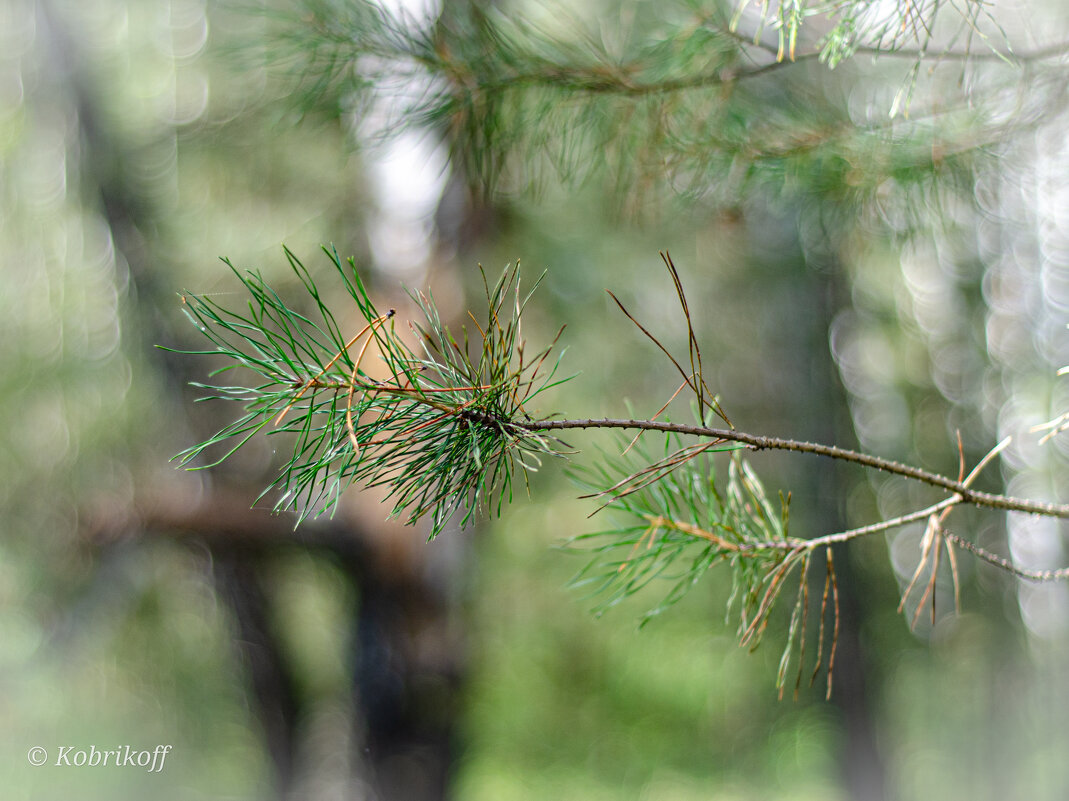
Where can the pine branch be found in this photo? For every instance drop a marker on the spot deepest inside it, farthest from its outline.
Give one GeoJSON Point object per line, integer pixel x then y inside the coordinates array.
{"type": "Point", "coordinates": [436, 430]}
{"type": "Point", "coordinates": [446, 426]}
{"type": "Point", "coordinates": [760, 442]}
{"type": "Point", "coordinates": [686, 106]}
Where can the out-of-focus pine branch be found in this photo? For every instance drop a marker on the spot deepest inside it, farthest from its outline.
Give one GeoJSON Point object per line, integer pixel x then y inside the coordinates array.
{"type": "Point", "coordinates": [681, 96]}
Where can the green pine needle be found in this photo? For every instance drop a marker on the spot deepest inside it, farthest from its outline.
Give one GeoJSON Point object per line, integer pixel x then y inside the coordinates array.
{"type": "Point", "coordinates": [437, 431]}
{"type": "Point", "coordinates": [672, 522]}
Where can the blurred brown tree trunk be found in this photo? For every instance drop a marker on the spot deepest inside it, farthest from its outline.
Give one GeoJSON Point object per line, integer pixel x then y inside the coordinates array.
{"type": "Point", "coordinates": [405, 690]}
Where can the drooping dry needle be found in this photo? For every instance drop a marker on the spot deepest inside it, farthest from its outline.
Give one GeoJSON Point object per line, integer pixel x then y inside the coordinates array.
{"type": "Point", "coordinates": [352, 379]}
{"type": "Point", "coordinates": [311, 381]}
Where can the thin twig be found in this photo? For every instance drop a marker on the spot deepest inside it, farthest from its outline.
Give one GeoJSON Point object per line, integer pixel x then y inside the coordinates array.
{"type": "Point", "coordinates": [757, 442]}
{"type": "Point", "coordinates": [1006, 564]}
{"type": "Point", "coordinates": [1016, 59]}
{"type": "Point", "coordinates": [620, 83]}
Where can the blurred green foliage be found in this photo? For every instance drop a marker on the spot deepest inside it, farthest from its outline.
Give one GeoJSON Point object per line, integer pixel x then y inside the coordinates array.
{"type": "Point", "coordinates": [846, 292]}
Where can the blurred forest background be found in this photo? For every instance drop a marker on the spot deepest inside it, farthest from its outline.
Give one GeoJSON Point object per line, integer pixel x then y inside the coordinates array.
{"type": "Point", "coordinates": [876, 256]}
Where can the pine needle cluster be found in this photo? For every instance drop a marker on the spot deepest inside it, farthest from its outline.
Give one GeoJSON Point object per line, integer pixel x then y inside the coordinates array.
{"type": "Point", "coordinates": [676, 525]}
{"type": "Point", "coordinates": [429, 417]}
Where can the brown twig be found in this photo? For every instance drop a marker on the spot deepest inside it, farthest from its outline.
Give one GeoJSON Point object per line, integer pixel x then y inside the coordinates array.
{"type": "Point", "coordinates": [1004, 563]}
{"type": "Point", "coordinates": [758, 442]}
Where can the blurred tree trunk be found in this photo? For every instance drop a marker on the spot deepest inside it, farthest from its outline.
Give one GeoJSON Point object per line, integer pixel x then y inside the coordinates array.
{"type": "Point", "coordinates": [821, 411]}
{"type": "Point", "coordinates": [406, 691]}
{"type": "Point", "coordinates": [271, 680]}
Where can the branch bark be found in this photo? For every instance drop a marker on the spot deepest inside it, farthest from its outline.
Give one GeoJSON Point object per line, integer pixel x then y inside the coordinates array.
{"type": "Point", "coordinates": [758, 442]}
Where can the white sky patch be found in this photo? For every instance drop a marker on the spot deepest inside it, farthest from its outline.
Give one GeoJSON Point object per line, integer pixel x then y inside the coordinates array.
{"type": "Point", "coordinates": [408, 172]}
